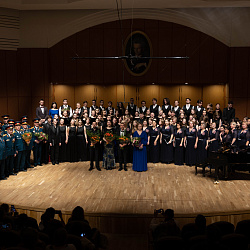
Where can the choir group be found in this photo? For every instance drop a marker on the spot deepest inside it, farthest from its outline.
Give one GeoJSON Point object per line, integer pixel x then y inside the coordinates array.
{"type": "Point", "coordinates": [131, 134]}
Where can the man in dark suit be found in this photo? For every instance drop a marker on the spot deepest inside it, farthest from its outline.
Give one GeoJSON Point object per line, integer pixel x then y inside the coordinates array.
{"type": "Point", "coordinates": [199, 109]}
{"type": "Point", "coordinates": [41, 111]}
{"type": "Point", "coordinates": [228, 113]}
{"type": "Point", "coordinates": [187, 108]}
{"type": "Point", "coordinates": [95, 148]}
{"type": "Point", "coordinates": [143, 109]}
{"type": "Point", "coordinates": [122, 148]}
{"type": "Point", "coordinates": [176, 108]}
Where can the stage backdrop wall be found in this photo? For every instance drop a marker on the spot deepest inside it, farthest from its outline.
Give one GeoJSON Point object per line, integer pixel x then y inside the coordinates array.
{"type": "Point", "coordinates": [26, 75]}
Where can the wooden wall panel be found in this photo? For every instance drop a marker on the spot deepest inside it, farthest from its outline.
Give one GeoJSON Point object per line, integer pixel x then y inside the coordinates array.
{"type": "Point", "coordinates": [165, 49]}
{"type": "Point", "coordinates": [11, 73]}
{"type": "Point", "coordinates": [192, 92]}
{"type": "Point", "coordinates": [213, 94]}
{"type": "Point", "coordinates": [147, 93]}
{"type": "Point", "coordinates": [192, 51]}
{"type": "Point", "coordinates": [3, 76]}
{"type": "Point", "coordinates": [13, 107]}
{"type": "Point", "coordinates": [82, 66]}
{"type": "Point", "coordinates": [24, 74]}
{"type": "Point", "coordinates": [207, 59]}
{"type": "Point", "coordinates": [3, 106]}
{"type": "Point", "coordinates": [169, 91]}
{"type": "Point", "coordinates": [69, 65]}
{"type": "Point", "coordinates": [179, 49]}
{"type": "Point", "coordinates": [84, 93]}
{"type": "Point", "coordinates": [65, 91]}
{"type": "Point", "coordinates": [107, 93]}
{"type": "Point", "coordinates": [96, 48]}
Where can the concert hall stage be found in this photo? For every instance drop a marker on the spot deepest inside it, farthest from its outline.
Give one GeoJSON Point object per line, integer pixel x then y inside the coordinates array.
{"type": "Point", "coordinates": [123, 202]}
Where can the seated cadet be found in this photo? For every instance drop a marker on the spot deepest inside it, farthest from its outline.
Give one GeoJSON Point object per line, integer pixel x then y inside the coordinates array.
{"type": "Point", "coordinates": [5, 122]}
{"type": "Point", "coordinates": [27, 149]}
{"type": "Point", "coordinates": [19, 147]}
{"type": "Point", "coordinates": [37, 145]}
{"type": "Point", "coordinates": [10, 151]}
{"type": "Point", "coordinates": [2, 155]}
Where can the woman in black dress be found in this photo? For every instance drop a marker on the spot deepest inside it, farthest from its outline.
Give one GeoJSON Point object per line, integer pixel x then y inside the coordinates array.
{"type": "Point", "coordinates": [153, 142]}
{"type": "Point", "coordinates": [178, 143]}
{"type": "Point", "coordinates": [62, 148]}
{"type": "Point", "coordinates": [243, 136]}
{"type": "Point", "coordinates": [213, 138]}
{"type": "Point", "coordinates": [234, 134]}
{"type": "Point", "coordinates": [71, 141]}
{"type": "Point", "coordinates": [166, 141]}
{"type": "Point", "coordinates": [81, 142]}
{"type": "Point", "coordinates": [190, 139]}
{"type": "Point", "coordinates": [54, 142]}
{"type": "Point", "coordinates": [225, 136]}
{"type": "Point", "coordinates": [201, 144]}
{"type": "Point", "coordinates": [65, 117]}
{"type": "Point", "coordinates": [108, 152]}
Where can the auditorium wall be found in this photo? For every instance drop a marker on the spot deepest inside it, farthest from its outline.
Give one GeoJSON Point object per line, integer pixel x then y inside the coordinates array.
{"type": "Point", "coordinates": [28, 74]}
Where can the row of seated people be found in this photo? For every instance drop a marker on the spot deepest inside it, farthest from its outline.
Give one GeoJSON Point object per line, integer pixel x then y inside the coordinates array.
{"type": "Point", "coordinates": [18, 231]}
{"type": "Point", "coordinates": [165, 234]}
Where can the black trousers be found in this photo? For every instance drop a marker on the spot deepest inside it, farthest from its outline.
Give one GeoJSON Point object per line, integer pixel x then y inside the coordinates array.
{"type": "Point", "coordinates": [45, 152]}
{"type": "Point", "coordinates": [123, 154]}
{"type": "Point", "coordinates": [54, 153]}
{"type": "Point", "coordinates": [9, 165]}
{"type": "Point", "coordinates": [94, 155]}
{"type": "Point", "coordinates": [2, 168]}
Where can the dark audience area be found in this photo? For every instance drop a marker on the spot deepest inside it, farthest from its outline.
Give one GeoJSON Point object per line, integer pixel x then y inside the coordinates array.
{"type": "Point", "coordinates": [18, 231]}
{"type": "Point", "coordinates": [222, 235]}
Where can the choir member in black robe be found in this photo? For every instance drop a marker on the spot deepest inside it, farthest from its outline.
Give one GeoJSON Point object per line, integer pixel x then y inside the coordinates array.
{"type": "Point", "coordinates": [54, 142]}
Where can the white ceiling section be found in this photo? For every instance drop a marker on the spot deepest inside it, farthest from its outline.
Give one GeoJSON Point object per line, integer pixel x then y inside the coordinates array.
{"type": "Point", "coordinates": [110, 4]}
{"type": "Point", "coordinates": [43, 23]}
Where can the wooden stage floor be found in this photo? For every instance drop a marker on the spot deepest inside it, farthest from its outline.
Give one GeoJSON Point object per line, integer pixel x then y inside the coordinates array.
{"type": "Point", "coordinates": [67, 185]}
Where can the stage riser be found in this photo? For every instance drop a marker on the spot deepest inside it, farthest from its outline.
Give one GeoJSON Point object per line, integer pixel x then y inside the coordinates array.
{"type": "Point", "coordinates": [136, 224]}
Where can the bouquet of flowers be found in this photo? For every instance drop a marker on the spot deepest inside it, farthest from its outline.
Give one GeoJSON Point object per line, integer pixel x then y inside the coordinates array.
{"type": "Point", "coordinates": [123, 140]}
{"type": "Point", "coordinates": [27, 136]}
{"type": "Point", "coordinates": [136, 141]}
{"type": "Point", "coordinates": [109, 137]}
{"type": "Point", "coordinates": [94, 138]}
{"type": "Point", "coordinates": [40, 136]}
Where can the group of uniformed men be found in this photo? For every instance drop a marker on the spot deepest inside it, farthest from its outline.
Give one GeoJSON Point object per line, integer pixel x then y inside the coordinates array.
{"type": "Point", "coordinates": [14, 151]}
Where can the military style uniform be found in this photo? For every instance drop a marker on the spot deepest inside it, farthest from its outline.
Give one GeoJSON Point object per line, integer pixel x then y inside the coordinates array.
{"type": "Point", "coordinates": [27, 151]}
{"type": "Point", "coordinates": [19, 147]}
{"type": "Point", "coordinates": [2, 157]}
{"type": "Point", "coordinates": [10, 152]}
{"type": "Point", "coordinates": [37, 147]}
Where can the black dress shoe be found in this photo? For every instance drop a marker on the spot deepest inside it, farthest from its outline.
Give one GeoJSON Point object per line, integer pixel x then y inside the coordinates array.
{"type": "Point", "coordinates": [125, 169]}
{"type": "Point", "coordinates": [5, 178]}
{"type": "Point", "coordinates": [53, 163]}
{"type": "Point", "coordinates": [57, 162]}
{"type": "Point", "coordinates": [13, 174]}
{"type": "Point", "coordinates": [40, 164]}
{"type": "Point", "coordinates": [91, 168]}
{"type": "Point", "coordinates": [120, 169]}
{"type": "Point", "coordinates": [98, 168]}
{"type": "Point", "coordinates": [31, 167]}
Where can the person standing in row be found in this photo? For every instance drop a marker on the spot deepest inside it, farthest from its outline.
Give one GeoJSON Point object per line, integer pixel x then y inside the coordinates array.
{"type": "Point", "coordinates": [42, 111]}
{"type": "Point", "coordinates": [95, 148]}
{"type": "Point", "coordinates": [63, 147]}
{"type": "Point", "coordinates": [81, 141]}
{"type": "Point", "coordinates": [153, 142]}
{"type": "Point", "coordinates": [27, 148]}
{"type": "Point", "coordinates": [65, 107]}
{"type": "Point", "coordinates": [53, 110]}
{"type": "Point", "coordinates": [201, 144]}
{"type": "Point", "coordinates": [54, 142]}
{"type": "Point", "coordinates": [10, 151]}
{"type": "Point", "coordinates": [37, 145]}
{"type": "Point", "coordinates": [178, 144]}
{"type": "Point", "coordinates": [166, 141]}
{"type": "Point", "coordinates": [2, 157]}
{"type": "Point", "coordinates": [140, 153]}
{"type": "Point", "coordinates": [71, 141]}
{"type": "Point", "coordinates": [190, 139]}
{"type": "Point", "coordinates": [19, 147]}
